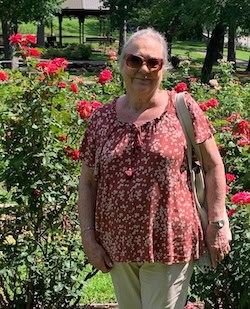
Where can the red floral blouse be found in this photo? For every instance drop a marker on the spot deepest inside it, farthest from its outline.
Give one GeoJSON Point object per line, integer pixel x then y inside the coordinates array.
{"type": "Point", "coordinates": [144, 206]}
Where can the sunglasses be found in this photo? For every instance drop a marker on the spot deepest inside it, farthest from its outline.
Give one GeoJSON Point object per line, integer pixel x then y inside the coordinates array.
{"type": "Point", "coordinates": [136, 62]}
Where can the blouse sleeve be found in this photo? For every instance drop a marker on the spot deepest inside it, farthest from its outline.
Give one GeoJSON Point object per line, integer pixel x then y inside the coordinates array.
{"type": "Point", "coordinates": [203, 129]}
{"type": "Point", "coordinates": [88, 145]}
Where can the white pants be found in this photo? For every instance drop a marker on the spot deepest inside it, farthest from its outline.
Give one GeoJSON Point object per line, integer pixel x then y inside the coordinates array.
{"type": "Point", "coordinates": [151, 285]}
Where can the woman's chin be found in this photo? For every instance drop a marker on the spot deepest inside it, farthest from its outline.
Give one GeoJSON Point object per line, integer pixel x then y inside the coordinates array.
{"type": "Point", "coordinates": [143, 85]}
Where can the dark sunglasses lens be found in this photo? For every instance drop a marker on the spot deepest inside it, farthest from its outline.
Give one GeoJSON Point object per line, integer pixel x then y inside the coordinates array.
{"type": "Point", "coordinates": [134, 61]}
{"type": "Point", "coordinates": [154, 63]}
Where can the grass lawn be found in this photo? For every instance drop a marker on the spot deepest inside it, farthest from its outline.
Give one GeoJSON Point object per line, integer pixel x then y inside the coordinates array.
{"type": "Point", "coordinates": [187, 52]}
{"type": "Point", "coordinates": [242, 55]}
{"type": "Point", "coordinates": [99, 289]}
{"type": "Point", "coordinates": [70, 27]}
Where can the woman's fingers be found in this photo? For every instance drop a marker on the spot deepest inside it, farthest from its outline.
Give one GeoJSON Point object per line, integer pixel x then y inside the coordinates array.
{"type": "Point", "coordinates": [218, 253]}
{"type": "Point", "coordinates": [108, 261]}
{"type": "Point", "coordinates": [98, 257]}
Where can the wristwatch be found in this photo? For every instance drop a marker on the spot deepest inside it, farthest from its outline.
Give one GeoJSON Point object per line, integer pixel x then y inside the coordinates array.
{"type": "Point", "coordinates": [219, 224]}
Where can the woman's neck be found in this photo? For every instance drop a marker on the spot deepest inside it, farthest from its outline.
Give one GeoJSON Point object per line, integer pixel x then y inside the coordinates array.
{"type": "Point", "coordinates": [142, 102]}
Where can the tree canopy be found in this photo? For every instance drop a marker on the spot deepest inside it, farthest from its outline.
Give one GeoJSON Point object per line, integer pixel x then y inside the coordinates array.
{"type": "Point", "coordinates": [28, 10]}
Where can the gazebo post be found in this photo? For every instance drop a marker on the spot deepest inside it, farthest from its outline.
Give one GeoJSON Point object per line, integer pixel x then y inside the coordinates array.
{"type": "Point", "coordinates": [60, 17]}
{"type": "Point", "coordinates": [80, 30]}
{"type": "Point", "coordinates": [83, 20]}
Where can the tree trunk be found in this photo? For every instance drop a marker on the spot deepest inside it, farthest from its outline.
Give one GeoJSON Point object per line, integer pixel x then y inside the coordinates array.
{"type": "Point", "coordinates": [214, 52]}
{"type": "Point", "coordinates": [40, 35]}
{"type": "Point", "coordinates": [122, 35]}
{"type": "Point", "coordinates": [231, 56]}
{"type": "Point", "coordinates": [8, 50]}
{"type": "Point", "coordinates": [248, 66]}
{"type": "Point", "coordinates": [169, 38]}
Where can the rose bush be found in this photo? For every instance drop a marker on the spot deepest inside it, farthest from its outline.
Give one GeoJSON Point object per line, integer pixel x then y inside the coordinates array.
{"type": "Point", "coordinates": [43, 115]}
{"type": "Point", "coordinates": [42, 120]}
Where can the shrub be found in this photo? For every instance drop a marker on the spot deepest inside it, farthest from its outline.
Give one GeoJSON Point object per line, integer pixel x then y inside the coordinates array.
{"type": "Point", "coordinates": [71, 51]}
{"type": "Point", "coordinates": [41, 126]}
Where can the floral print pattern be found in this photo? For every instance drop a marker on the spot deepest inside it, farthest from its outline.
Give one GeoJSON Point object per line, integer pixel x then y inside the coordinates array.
{"type": "Point", "coordinates": [145, 211]}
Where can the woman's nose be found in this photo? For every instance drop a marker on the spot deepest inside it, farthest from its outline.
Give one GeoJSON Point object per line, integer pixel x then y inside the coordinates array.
{"type": "Point", "coordinates": [144, 67]}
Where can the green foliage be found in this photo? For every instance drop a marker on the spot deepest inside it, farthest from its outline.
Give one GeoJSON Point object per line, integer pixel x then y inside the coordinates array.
{"type": "Point", "coordinates": [41, 259]}
{"type": "Point", "coordinates": [71, 51]}
{"type": "Point", "coordinates": [228, 285]}
{"type": "Point", "coordinates": [29, 10]}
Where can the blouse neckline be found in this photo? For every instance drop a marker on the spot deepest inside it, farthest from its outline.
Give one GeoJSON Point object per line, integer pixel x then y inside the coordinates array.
{"type": "Point", "coordinates": [146, 123]}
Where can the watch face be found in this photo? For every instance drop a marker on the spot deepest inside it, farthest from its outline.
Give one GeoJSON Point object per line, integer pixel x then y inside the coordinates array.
{"type": "Point", "coordinates": [220, 223]}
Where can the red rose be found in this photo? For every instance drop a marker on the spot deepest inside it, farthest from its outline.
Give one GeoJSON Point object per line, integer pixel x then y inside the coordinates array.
{"type": "Point", "coordinates": [47, 68]}
{"type": "Point", "coordinates": [16, 38]}
{"type": "Point", "coordinates": [85, 109]}
{"type": "Point", "coordinates": [180, 87]}
{"type": "Point", "coordinates": [231, 212]}
{"type": "Point", "coordinates": [83, 104]}
{"type": "Point", "coordinates": [228, 189]}
{"type": "Point", "coordinates": [75, 155]}
{"type": "Point", "coordinates": [72, 153]}
{"type": "Point", "coordinates": [33, 52]}
{"type": "Point", "coordinates": [220, 147]}
{"type": "Point", "coordinates": [37, 192]}
{"type": "Point", "coordinates": [85, 113]}
{"type": "Point", "coordinates": [74, 88]}
{"type": "Point", "coordinates": [29, 39]}
{"type": "Point", "coordinates": [51, 69]}
{"type": "Point", "coordinates": [62, 85]}
{"type": "Point", "coordinates": [105, 76]}
{"type": "Point", "coordinates": [212, 103]}
{"type": "Point", "coordinates": [3, 76]}
{"type": "Point", "coordinates": [60, 62]}
{"type": "Point", "coordinates": [95, 105]}
{"type": "Point", "coordinates": [230, 177]}
{"type": "Point", "coordinates": [241, 198]}
{"type": "Point", "coordinates": [203, 107]}
{"type": "Point", "coordinates": [243, 128]}
{"type": "Point", "coordinates": [62, 138]}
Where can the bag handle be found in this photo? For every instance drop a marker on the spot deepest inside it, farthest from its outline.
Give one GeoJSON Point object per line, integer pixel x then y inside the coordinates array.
{"type": "Point", "coordinates": [186, 121]}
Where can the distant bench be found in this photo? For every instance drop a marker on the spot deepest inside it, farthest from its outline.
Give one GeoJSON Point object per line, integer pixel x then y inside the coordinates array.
{"type": "Point", "coordinates": [100, 39]}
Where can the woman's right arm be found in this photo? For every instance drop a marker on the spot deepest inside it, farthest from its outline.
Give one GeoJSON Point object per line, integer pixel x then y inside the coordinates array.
{"type": "Point", "coordinates": [96, 254]}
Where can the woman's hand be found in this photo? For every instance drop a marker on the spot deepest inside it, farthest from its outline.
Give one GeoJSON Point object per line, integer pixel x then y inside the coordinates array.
{"type": "Point", "coordinates": [97, 255]}
{"type": "Point", "coordinates": [217, 243]}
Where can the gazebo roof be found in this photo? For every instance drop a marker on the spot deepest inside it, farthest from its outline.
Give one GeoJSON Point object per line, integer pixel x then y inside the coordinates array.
{"type": "Point", "coordinates": [83, 7]}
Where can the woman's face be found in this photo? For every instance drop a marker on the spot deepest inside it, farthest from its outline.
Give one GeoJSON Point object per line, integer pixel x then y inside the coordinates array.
{"type": "Point", "coordinates": [144, 78]}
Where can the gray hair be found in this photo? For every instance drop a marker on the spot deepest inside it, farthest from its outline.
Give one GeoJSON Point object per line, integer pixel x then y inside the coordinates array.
{"type": "Point", "coordinates": [149, 32]}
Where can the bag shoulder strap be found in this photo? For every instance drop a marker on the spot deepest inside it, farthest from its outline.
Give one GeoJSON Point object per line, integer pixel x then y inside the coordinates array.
{"type": "Point", "coordinates": [186, 123]}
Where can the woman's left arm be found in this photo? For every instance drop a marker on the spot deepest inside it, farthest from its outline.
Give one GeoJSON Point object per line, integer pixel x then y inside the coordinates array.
{"type": "Point", "coordinates": [216, 238]}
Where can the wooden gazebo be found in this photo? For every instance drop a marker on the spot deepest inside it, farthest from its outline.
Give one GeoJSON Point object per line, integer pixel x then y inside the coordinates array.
{"type": "Point", "coordinates": [80, 9]}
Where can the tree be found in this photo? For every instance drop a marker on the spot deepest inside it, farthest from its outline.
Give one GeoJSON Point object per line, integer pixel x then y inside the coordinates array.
{"type": "Point", "coordinates": [16, 11]}
{"type": "Point", "coordinates": [221, 13]}
{"type": "Point", "coordinates": [120, 11]}
{"type": "Point", "coordinates": [214, 51]}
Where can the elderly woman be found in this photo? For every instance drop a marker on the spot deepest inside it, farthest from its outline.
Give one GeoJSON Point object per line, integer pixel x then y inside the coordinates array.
{"type": "Point", "coordinates": [137, 214]}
